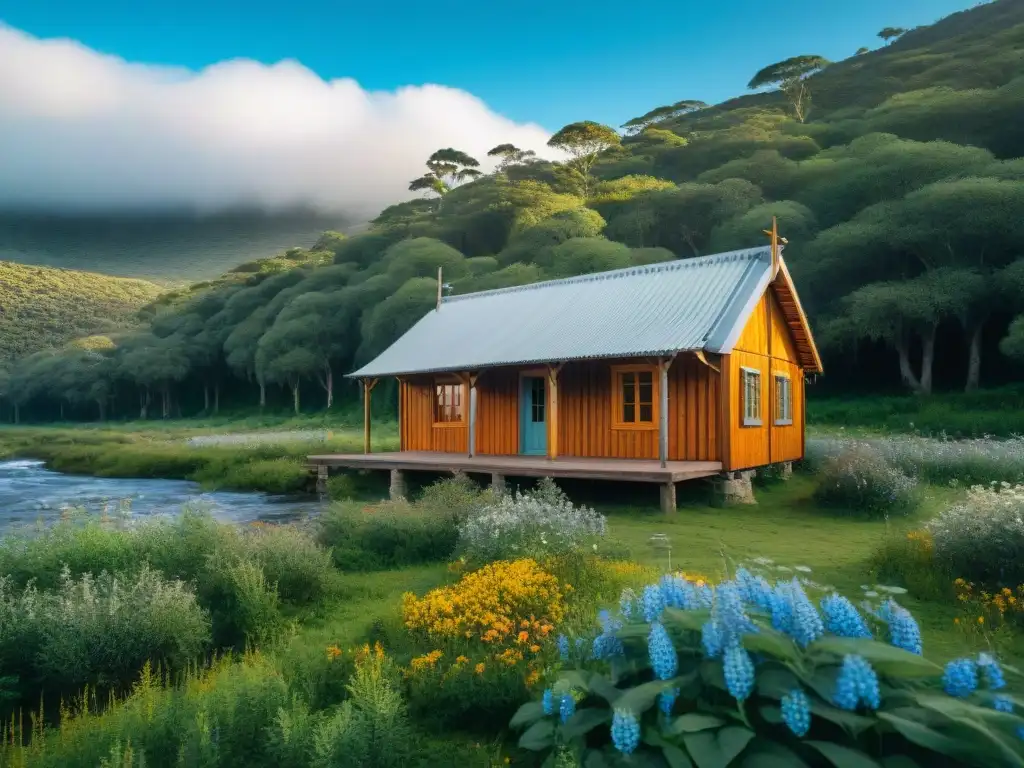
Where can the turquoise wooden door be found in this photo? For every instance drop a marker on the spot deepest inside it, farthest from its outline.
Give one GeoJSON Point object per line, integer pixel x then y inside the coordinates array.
{"type": "Point", "coordinates": [533, 426]}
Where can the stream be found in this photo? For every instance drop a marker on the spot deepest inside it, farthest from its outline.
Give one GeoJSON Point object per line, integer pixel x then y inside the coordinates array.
{"type": "Point", "coordinates": [29, 493]}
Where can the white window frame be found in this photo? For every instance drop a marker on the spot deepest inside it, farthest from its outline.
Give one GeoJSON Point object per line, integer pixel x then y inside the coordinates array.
{"type": "Point", "coordinates": [783, 400]}
{"type": "Point", "coordinates": [750, 379]}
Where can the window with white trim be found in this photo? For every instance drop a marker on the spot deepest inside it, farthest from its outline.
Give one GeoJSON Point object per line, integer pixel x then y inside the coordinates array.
{"type": "Point", "coordinates": [751, 381]}
{"type": "Point", "coordinates": [783, 400]}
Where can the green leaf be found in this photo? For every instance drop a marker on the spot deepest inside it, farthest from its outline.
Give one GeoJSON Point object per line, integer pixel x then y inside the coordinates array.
{"type": "Point", "coordinates": [694, 722]}
{"type": "Point", "coordinates": [921, 735]}
{"type": "Point", "coordinates": [771, 714]}
{"type": "Point", "coordinates": [603, 687]}
{"type": "Point", "coordinates": [530, 712]}
{"type": "Point", "coordinates": [769, 754]}
{"type": "Point", "coordinates": [594, 759]}
{"type": "Point", "coordinates": [886, 659]}
{"type": "Point", "coordinates": [642, 697]}
{"type": "Point", "coordinates": [776, 683]}
{"type": "Point", "coordinates": [972, 724]}
{"type": "Point", "coordinates": [675, 757]}
{"type": "Point", "coordinates": [576, 678]}
{"type": "Point", "coordinates": [842, 757]}
{"type": "Point", "coordinates": [850, 720]}
{"type": "Point", "coordinates": [716, 749]}
{"type": "Point", "coordinates": [772, 643]}
{"type": "Point", "coordinates": [685, 621]}
{"type": "Point", "coordinates": [538, 736]}
{"type": "Point", "coordinates": [585, 720]}
{"type": "Point", "coordinates": [898, 761]}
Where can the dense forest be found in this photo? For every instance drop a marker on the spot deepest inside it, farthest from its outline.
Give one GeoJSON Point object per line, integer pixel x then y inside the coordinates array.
{"type": "Point", "coordinates": [896, 174]}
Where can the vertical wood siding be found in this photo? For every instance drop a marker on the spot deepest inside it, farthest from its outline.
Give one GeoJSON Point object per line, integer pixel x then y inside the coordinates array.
{"type": "Point", "coordinates": [767, 345]}
{"type": "Point", "coordinates": [497, 412]}
{"type": "Point", "coordinates": [417, 428]}
{"type": "Point", "coordinates": [585, 413]}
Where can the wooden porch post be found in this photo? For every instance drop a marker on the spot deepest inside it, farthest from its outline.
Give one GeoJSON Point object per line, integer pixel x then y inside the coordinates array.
{"type": "Point", "coordinates": [552, 419]}
{"type": "Point", "coordinates": [368, 385]}
{"type": "Point", "coordinates": [663, 365]}
{"type": "Point", "coordinates": [472, 377]}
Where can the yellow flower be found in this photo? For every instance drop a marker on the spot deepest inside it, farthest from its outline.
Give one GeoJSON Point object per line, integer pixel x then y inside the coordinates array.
{"type": "Point", "coordinates": [956, 621]}
{"type": "Point", "coordinates": [333, 652]}
{"type": "Point", "coordinates": [461, 660]}
{"type": "Point", "coordinates": [479, 668]}
{"type": "Point", "coordinates": [981, 619]}
{"type": "Point", "coordinates": [534, 649]}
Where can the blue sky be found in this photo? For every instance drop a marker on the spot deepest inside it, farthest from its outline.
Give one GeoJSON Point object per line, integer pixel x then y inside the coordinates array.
{"type": "Point", "coordinates": [533, 60]}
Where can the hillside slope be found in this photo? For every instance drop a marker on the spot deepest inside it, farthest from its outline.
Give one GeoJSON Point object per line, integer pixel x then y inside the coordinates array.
{"type": "Point", "coordinates": [165, 248]}
{"type": "Point", "coordinates": [42, 308]}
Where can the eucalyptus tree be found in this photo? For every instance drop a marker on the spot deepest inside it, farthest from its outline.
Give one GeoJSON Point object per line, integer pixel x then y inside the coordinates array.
{"type": "Point", "coordinates": [888, 34]}
{"type": "Point", "coordinates": [584, 142]}
{"type": "Point", "coordinates": [790, 76]}
{"type": "Point", "coordinates": [446, 168]}
{"type": "Point", "coordinates": [510, 154]}
{"type": "Point", "coordinates": [658, 114]}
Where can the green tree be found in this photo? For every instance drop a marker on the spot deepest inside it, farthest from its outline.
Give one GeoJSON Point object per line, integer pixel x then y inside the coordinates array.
{"type": "Point", "coordinates": [862, 50]}
{"type": "Point", "coordinates": [790, 76]}
{"type": "Point", "coordinates": [888, 34]}
{"type": "Point", "coordinates": [658, 114]}
{"type": "Point", "coordinates": [446, 168]}
{"type": "Point", "coordinates": [510, 154]}
{"type": "Point", "coordinates": [584, 142]}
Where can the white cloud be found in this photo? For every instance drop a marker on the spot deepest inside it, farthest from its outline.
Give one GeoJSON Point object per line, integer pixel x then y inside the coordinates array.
{"type": "Point", "coordinates": [84, 131]}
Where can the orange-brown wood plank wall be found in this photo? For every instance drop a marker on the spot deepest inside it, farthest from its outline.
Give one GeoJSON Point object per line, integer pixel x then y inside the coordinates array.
{"type": "Point", "coordinates": [497, 412]}
{"type": "Point", "coordinates": [765, 345]}
{"type": "Point", "coordinates": [585, 414]}
{"type": "Point", "coordinates": [417, 428]}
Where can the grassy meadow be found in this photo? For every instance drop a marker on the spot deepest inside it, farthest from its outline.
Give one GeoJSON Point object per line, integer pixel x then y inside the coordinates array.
{"type": "Point", "coordinates": [192, 642]}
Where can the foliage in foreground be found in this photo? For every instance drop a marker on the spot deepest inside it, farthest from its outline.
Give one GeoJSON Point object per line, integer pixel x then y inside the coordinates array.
{"type": "Point", "coordinates": [748, 673]}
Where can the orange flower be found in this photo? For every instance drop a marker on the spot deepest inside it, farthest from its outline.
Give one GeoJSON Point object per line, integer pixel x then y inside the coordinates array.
{"type": "Point", "coordinates": [523, 637]}
{"type": "Point", "coordinates": [479, 668]}
{"type": "Point", "coordinates": [534, 649]}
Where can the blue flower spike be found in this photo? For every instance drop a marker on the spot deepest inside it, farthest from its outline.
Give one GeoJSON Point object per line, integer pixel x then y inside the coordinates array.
{"type": "Point", "coordinates": [625, 731]}
{"type": "Point", "coordinates": [566, 707]}
{"type": "Point", "coordinates": [960, 678]}
{"type": "Point", "coordinates": [992, 671]}
{"type": "Point", "coordinates": [563, 647]}
{"type": "Point", "coordinates": [796, 712]}
{"type": "Point", "coordinates": [1002, 703]}
{"type": "Point", "coordinates": [903, 630]}
{"type": "Point", "coordinates": [857, 683]}
{"type": "Point", "coordinates": [842, 618]}
{"type": "Point", "coordinates": [739, 672]}
{"type": "Point", "coordinates": [664, 661]}
{"type": "Point", "coordinates": [548, 701]}
{"type": "Point", "coordinates": [667, 700]}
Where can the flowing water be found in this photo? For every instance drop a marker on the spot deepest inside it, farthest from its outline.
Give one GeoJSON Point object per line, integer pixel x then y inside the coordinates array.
{"type": "Point", "coordinates": [30, 493]}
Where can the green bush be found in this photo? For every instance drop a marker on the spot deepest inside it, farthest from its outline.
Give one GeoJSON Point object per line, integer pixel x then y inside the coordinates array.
{"type": "Point", "coordinates": [457, 496]}
{"type": "Point", "coordinates": [859, 480]}
{"type": "Point", "coordinates": [748, 674]}
{"type": "Point", "coordinates": [99, 630]}
{"type": "Point", "coordinates": [387, 535]}
{"type": "Point", "coordinates": [291, 559]}
{"type": "Point", "coordinates": [245, 606]}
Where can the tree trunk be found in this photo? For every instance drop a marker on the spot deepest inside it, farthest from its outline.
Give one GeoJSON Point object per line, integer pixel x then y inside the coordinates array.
{"type": "Point", "coordinates": [927, 359]}
{"type": "Point", "coordinates": [165, 402]}
{"type": "Point", "coordinates": [329, 386]}
{"type": "Point", "coordinates": [62, 410]}
{"type": "Point", "coordinates": [144, 399]}
{"type": "Point", "coordinates": [295, 396]}
{"type": "Point", "coordinates": [206, 397]}
{"type": "Point", "coordinates": [263, 395]}
{"type": "Point", "coordinates": [974, 360]}
{"type": "Point", "coordinates": [906, 371]}
{"type": "Point", "coordinates": [103, 408]}
{"type": "Point", "coordinates": [17, 414]}
{"type": "Point", "coordinates": [216, 397]}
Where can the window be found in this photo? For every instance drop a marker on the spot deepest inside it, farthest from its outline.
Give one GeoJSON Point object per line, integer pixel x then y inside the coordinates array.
{"type": "Point", "coordinates": [783, 399]}
{"type": "Point", "coordinates": [448, 402]}
{"type": "Point", "coordinates": [537, 400]}
{"type": "Point", "coordinates": [634, 397]}
{"type": "Point", "coordinates": [751, 380]}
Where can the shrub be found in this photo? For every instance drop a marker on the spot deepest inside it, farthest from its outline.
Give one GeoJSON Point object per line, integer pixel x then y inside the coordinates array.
{"type": "Point", "coordinates": [458, 496]}
{"type": "Point", "coordinates": [529, 524]}
{"type": "Point", "coordinates": [982, 537]}
{"type": "Point", "coordinates": [908, 559]}
{"type": "Point", "coordinates": [748, 673]}
{"type": "Point", "coordinates": [98, 630]}
{"type": "Point", "coordinates": [291, 559]}
{"type": "Point", "coordinates": [859, 479]}
{"type": "Point", "coordinates": [245, 606]}
{"type": "Point", "coordinates": [387, 535]}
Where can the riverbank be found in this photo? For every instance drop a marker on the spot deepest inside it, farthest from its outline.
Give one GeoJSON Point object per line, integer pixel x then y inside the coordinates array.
{"type": "Point", "coordinates": [248, 460]}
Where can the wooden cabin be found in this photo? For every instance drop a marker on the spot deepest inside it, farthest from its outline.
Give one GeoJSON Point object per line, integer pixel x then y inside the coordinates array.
{"type": "Point", "coordinates": [660, 373]}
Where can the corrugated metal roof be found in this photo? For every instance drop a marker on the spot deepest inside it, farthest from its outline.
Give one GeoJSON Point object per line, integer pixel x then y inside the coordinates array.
{"type": "Point", "coordinates": [689, 304]}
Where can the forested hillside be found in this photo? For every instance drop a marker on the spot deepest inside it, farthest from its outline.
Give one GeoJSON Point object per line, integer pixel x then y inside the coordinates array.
{"type": "Point", "coordinates": [896, 174]}
{"type": "Point", "coordinates": [43, 308]}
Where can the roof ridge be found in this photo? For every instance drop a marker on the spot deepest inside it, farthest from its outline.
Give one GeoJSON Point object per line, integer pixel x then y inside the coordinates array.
{"type": "Point", "coordinates": [612, 274]}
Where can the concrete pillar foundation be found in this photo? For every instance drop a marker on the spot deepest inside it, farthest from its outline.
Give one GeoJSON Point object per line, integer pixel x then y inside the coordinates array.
{"type": "Point", "coordinates": [498, 484]}
{"type": "Point", "coordinates": [737, 487]}
{"type": "Point", "coordinates": [398, 490]}
{"type": "Point", "coordinates": [668, 498]}
{"type": "Point", "coordinates": [321, 479]}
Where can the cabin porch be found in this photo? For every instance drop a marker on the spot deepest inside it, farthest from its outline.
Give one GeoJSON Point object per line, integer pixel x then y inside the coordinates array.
{"type": "Point", "coordinates": [500, 467]}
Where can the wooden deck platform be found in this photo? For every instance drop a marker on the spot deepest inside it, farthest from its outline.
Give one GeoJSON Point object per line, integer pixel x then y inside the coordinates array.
{"type": "Point", "coordinates": [628, 470]}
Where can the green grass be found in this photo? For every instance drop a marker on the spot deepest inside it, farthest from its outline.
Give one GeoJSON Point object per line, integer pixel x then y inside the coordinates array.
{"type": "Point", "coordinates": [992, 412]}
